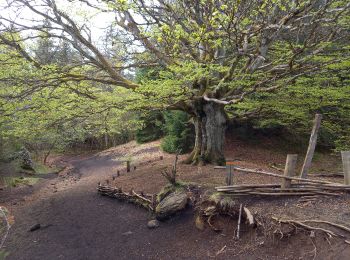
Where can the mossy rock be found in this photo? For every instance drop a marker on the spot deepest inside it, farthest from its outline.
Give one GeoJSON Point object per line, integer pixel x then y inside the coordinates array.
{"type": "Point", "coordinates": [172, 203]}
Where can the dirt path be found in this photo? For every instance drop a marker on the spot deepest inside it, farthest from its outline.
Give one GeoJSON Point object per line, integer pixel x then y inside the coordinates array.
{"type": "Point", "coordinates": [80, 224]}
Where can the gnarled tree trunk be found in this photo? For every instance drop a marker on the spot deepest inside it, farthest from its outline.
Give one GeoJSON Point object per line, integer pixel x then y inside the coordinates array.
{"type": "Point", "coordinates": [210, 125]}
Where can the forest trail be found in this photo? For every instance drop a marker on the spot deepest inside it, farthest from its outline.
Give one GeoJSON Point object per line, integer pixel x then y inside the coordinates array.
{"type": "Point", "coordinates": [80, 224]}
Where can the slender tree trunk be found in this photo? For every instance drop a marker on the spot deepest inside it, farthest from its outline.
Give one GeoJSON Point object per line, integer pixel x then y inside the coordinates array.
{"type": "Point", "coordinates": [210, 126]}
{"type": "Point", "coordinates": [194, 157]}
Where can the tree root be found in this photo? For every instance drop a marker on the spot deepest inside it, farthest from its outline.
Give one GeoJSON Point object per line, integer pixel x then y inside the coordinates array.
{"type": "Point", "coordinates": [211, 207]}
{"type": "Point", "coordinates": [308, 227]}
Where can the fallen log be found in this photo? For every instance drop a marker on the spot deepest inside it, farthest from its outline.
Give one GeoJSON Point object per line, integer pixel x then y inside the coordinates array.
{"type": "Point", "coordinates": [248, 186]}
{"type": "Point", "coordinates": [279, 194]}
{"type": "Point", "coordinates": [282, 176]}
{"type": "Point", "coordinates": [270, 189]}
{"type": "Point", "coordinates": [331, 175]}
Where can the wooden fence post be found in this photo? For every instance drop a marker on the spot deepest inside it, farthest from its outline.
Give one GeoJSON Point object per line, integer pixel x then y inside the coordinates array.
{"type": "Point", "coordinates": [312, 145]}
{"type": "Point", "coordinates": [229, 172]}
{"type": "Point", "coordinates": [127, 166]}
{"type": "Point", "coordinates": [289, 170]}
{"type": "Point", "coordinates": [345, 155]}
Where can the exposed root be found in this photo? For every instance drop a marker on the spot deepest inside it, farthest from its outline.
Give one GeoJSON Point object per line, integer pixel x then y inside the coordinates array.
{"type": "Point", "coordinates": [329, 223]}
{"type": "Point", "coordinates": [305, 226]}
{"type": "Point", "coordinates": [217, 205]}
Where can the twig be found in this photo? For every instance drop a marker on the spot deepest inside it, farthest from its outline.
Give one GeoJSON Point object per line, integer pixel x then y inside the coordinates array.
{"type": "Point", "coordinates": [222, 250]}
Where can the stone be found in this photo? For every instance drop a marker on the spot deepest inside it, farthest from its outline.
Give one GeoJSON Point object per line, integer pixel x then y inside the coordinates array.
{"type": "Point", "coordinates": [128, 233]}
{"type": "Point", "coordinates": [35, 227]}
{"type": "Point", "coordinates": [153, 224]}
{"type": "Point", "coordinates": [172, 203]}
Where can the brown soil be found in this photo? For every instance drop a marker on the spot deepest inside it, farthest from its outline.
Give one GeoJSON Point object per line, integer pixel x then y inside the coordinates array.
{"type": "Point", "coordinates": [80, 224]}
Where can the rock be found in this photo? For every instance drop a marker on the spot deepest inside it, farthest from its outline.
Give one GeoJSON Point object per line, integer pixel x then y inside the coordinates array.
{"type": "Point", "coordinates": [35, 227]}
{"type": "Point", "coordinates": [172, 203]}
{"type": "Point", "coordinates": [128, 233]}
{"type": "Point", "coordinates": [153, 224]}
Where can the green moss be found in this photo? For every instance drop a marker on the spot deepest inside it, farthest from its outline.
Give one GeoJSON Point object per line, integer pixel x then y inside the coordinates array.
{"type": "Point", "coordinates": [169, 188]}
{"type": "Point", "coordinates": [19, 181]}
{"type": "Point", "coordinates": [3, 254]}
{"type": "Point", "coordinates": [215, 197]}
{"type": "Point", "coordinates": [166, 190]}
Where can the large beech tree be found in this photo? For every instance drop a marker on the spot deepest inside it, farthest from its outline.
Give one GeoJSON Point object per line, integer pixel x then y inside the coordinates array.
{"type": "Point", "coordinates": [210, 54]}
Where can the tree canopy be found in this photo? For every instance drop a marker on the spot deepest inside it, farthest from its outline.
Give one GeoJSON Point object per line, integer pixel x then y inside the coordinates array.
{"type": "Point", "coordinates": [213, 60]}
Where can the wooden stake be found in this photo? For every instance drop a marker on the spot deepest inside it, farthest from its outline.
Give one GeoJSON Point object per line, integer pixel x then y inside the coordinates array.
{"type": "Point", "coordinates": [229, 176]}
{"type": "Point", "coordinates": [346, 166]}
{"type": "Point", "coordinates": [289, 170]}
{"type": "Point", "coordinates": [312, 144]}
{"type": "Point", "coordinates": [239, 221]}
{"type": "Point", "coordinates": [229, 172]}
{"type": "Point", "coordinates": [127, 166]}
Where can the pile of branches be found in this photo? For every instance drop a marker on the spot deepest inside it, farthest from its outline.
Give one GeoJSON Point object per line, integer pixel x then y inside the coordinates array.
{"type": "Point", "coordinates": [146, 201]}
{"type": "Point", "coordinates": [297, 189]}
